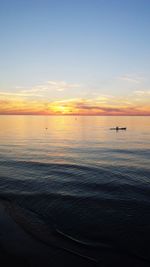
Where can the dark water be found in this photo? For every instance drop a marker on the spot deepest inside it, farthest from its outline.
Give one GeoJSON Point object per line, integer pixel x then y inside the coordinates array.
{"type": "Point", "coordinates": [75, 185]}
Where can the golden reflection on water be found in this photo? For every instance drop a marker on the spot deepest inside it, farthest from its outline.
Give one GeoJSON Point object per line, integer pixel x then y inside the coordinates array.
{"type": "Point", "coordinates": [65, 128]}
{"type": "Point", "coordinates": [71, 138]}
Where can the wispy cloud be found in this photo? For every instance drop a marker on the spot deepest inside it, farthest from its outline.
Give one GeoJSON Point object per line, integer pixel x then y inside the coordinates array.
{"type": "Point", "coordinates": [131, 78]}
{"type": "Point", "coordinates": [20, 94]}
{"type": "Point", "coordinates": [72, 106]}
{"type": "Point", "coordinates": [62, 85]}
{"type": "Point", "coordinates": [43, 90]}
{"type": "Point", "coordinates": [142, 92]}
{"type": "Point", "coordinates": [38, 100]}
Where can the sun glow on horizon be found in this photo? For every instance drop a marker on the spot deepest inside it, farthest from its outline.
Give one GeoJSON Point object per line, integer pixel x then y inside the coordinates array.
{"type": "Point", "coordinates": [51, 98]}
{"type": "Point", "coordinates": [96, 106]}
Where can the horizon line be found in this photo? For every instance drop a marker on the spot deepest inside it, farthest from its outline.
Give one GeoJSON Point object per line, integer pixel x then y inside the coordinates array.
{"type": "Point", "coordinates": [82, 115]}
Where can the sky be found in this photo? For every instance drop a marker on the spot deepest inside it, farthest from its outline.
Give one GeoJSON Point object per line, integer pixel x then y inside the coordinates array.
{"type": "Point", "coordinates": [82, 57]}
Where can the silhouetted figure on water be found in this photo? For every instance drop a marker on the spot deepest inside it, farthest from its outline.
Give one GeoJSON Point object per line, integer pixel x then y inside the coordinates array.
{"type": "Point", "coordinates": [118, 128]}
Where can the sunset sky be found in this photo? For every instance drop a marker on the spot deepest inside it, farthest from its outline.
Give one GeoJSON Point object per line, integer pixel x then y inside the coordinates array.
{"type": "Point", "coordinates": [85, 57]}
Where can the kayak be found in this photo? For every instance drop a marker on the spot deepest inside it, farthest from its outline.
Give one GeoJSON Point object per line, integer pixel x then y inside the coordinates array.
{"type": "Point", "coordinates": [118, 128]}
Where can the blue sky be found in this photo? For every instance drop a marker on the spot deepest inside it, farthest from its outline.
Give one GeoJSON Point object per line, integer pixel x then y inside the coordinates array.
{"type": "Point", "coordinates": [101, 44]}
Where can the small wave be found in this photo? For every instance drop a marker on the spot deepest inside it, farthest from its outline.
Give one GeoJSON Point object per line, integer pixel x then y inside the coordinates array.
{"type": "Point", "coordinates": [92, 207]}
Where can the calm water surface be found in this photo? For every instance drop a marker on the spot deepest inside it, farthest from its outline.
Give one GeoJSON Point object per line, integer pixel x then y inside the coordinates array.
{"type": "Point", "coordinates": [89, 183]}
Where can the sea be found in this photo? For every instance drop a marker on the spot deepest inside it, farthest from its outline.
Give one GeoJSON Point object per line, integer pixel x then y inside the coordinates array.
{"type": "Point", "coordinates": [77, 189]}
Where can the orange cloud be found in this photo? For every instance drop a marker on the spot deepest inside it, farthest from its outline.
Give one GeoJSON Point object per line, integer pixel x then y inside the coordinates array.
{"type": "Point", "coordinates": [72, 107]}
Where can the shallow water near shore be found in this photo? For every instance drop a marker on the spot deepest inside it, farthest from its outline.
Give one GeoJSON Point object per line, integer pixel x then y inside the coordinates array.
{"type": "Point", "coordinates": [73, 184]}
